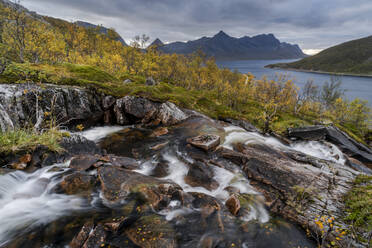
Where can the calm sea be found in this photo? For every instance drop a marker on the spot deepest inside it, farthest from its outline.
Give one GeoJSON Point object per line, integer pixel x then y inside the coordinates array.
{"type": "Point", "coordinates": [360, 87]}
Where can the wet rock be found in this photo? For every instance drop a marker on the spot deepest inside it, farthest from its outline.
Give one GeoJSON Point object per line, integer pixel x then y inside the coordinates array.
{"type": "Point", "coordinates": [334, 135]}
{"type": "Point", "coordinates": [201, 175]}
{"type": "Point", "coordinates": [152, 231]}
{"type": "Point", "coordinates": [160, 170]}
{"type": "Point", "coordinates": [96, 238]}
{"type": "Point", "coordinates": [233, 205]}
{"type": "Point", "coordinates": [119, 110]}
{"type": "Point", "coordinates": [160, 132]}
{"type": "Point", "coordinates": [151, 82]}
{"type": "Point", "coordinates": [123, 162]}
{"type": "Point", "coordinates": [117, 184]}
{"type": "Point", "coordinates": [141, 110]}
{"type": "Point", "coordinates": [206, 142]}
{"type": "Point", "coordinates": [83, 162]}
{"type": "Point", "coordinates": [82, 236]}
{"type": "Point", "coordinates": [108, 102]}
{"type": "Point", "coordinates": [22, 163]}
{"type": "Point", "coordinates": [77, 144]}
{"type": "Point", "coordinates": [243, 124]}
{"type": "Point", "coordinates": [70, 105]}
{"type": "Point", "coordinates": [159, 146]}
{"type": "Point", "coordinates": [295, 189]}
{"type": "Point", "coordinates": [308, 133]}
{"type": "Point", "coordinates": [77, 183]}
{"type": "Point", "coordinates": [170, 114]}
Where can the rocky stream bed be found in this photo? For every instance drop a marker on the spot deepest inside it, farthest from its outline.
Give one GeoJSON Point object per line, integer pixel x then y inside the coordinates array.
{"type": "Point", "coordinates": [149, 174]}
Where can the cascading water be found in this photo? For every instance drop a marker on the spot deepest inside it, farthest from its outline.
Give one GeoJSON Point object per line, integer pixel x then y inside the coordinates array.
{"type": "Point", "coordinates": [178, 170]}
{"type": "Point", "coordinates": [321, 150]}
{"type": "Point", "coordinates": [27, 201]}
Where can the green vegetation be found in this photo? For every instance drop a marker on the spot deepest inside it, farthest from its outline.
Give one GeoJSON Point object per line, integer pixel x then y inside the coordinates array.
{"type": "Point", "coordinates": [28, 140]}
{"type": "Point", "coordinates": [359, 203]}
{"type": "Point", "coordinates": [353, 57]}
{"type": "Point", "coordinates": [47, 50]}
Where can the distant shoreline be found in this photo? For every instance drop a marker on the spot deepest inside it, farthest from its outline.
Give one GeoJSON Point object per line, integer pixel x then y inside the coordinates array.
{"type": "Point", "coordinates": [320, 72]}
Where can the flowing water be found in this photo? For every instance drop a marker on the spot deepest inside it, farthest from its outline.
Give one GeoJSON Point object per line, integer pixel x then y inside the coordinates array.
{"type": "Point", "coordinates": [27, 201]}
{"type": "Point", "coordinates": [29, 204]}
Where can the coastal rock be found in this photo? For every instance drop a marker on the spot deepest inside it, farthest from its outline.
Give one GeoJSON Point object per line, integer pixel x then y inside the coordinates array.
{"type": "Point", "coordinates": [206, 142]}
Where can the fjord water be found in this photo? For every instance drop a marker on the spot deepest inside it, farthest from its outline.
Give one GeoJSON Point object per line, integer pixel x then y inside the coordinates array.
{"type": "Point", "coordinates": [356, 87]}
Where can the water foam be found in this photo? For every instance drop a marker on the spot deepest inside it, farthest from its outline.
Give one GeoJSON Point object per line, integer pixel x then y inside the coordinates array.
{"type": "Point", "coordinates": [321, 150]}
{"type": "Point", "coordinates": [97, 133]}
{"type": "Point", "coordinates": [27, 201]}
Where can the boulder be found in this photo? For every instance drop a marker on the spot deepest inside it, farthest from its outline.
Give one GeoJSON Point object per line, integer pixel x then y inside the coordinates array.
{"type": "Point", "coordinates": [201, 175]}
{"type": "Point", "coordinates": [132, 109]}
{"type": "Point", "coordinates": [206, 142]}
{"type": "Point", "coordinates": [78, 183]}
{"type": "Point", "coordinates": [151, 82]}
{"type": "Point", "coordinates": [83, 162]}
{"type": "Point", "coordinates": [22, 163]}
{"type": "Point", "coordinates": [108, 102]}
{"type": "Point", "coordinates": [233, 205]}
{"type": "Point", "coordinates": [127, 81]}
{"type": "Point", "coordinates": [118, 184]}
{"type": "Point", "coordinates": [68, 105]}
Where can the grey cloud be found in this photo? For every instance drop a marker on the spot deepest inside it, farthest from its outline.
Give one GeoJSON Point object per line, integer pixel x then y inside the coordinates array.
{"type": "Point", "coordinates": [310, 23]}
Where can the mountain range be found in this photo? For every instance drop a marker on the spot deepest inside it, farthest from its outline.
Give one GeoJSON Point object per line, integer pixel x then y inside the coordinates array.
{"type": "Point", "coordinates": [224, 47]}
{"type": "Point", "coordinates": [352, 57]}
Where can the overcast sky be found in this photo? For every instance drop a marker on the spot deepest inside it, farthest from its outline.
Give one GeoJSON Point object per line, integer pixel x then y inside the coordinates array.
{"type": "Point", "coordinates": [313, 24]}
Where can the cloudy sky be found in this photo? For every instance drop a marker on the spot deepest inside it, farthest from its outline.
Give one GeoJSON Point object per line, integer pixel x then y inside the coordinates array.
{"type": "Point", "coordinates": [313, 24]}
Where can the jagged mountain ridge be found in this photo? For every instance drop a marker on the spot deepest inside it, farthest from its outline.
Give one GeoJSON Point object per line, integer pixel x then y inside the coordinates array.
{"type": "Point", "coordinates": [223, 46]}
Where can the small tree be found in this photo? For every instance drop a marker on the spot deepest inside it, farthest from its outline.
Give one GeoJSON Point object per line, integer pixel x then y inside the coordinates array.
{"type": "Point", "coordinates": [15, 29]}
{"type": "Point", "coordinates": [331, 92]}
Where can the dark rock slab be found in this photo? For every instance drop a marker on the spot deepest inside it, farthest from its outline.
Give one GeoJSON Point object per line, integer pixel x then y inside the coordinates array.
{"type": "Point", "coordinates": [348, 145]}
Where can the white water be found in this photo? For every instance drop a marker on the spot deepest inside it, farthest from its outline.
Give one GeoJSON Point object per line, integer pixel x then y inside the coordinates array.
{"type": "Point", "coordinates": [98, 133]}
{"type": "Point", "coordinates": [321, 150]}
{"type": "Point", "coordinates": [26, 201]}
{"type": "Point", "coordinates": [178, 170]}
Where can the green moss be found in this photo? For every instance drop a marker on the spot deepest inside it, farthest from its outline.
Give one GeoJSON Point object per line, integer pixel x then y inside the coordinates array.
{"type": "Point", "coordinates": [28, 140]}
{"type": "Point", "coordinates": [359, 203]}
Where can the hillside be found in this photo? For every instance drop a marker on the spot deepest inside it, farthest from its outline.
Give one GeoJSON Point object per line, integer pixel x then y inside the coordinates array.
{"type": "Point", "coordinates": [353, 57]}
{"type": "Point", "coordinates": [224, 47]}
